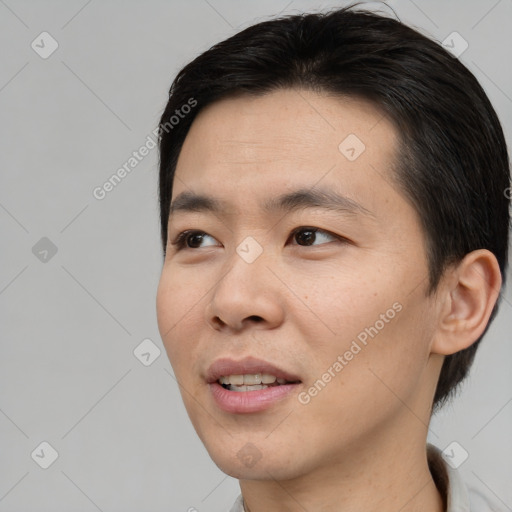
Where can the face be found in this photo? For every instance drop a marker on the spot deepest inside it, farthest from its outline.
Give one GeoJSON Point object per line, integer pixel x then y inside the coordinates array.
{"type": "Point", "coordinates": [304, 262]}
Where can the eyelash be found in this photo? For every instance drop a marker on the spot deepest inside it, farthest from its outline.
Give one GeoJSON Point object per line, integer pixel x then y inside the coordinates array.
{"type": "Point", "coordinates": [180, 241]}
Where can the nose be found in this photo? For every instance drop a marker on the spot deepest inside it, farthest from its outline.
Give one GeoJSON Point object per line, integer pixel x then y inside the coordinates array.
{"type": "Point", "coordinates": [247, 294]}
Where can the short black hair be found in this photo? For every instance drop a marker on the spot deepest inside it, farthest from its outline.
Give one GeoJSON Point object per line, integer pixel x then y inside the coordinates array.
{"type": "Point", "coordinates": [452, 163]}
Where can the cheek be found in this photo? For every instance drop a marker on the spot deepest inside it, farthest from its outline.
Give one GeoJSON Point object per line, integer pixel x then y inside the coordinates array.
{"type": "Point", "coordinates": [340, 303]}
{"type": "Point", "coordinates": [178, 306]}
{"type": "Point", "coordinates": [368, 327]}
{"type": "Point", "coordinates": [378, 365]}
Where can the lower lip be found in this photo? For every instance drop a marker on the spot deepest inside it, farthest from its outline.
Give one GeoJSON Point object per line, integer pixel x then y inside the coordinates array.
{"type": "Point", "coordinates": [240, 402]}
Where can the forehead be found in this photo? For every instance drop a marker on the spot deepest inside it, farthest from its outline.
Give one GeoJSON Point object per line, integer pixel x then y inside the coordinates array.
{"type": "Point", "coordinates": [257, 144]}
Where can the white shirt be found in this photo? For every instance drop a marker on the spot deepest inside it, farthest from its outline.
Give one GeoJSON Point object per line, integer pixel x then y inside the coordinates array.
{"type": "Point", "coordinates": [449, 482]}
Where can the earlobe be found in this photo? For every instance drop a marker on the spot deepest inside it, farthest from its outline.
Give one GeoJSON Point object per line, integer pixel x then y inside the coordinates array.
{"type": "Point", "coordinates": [470, 291]}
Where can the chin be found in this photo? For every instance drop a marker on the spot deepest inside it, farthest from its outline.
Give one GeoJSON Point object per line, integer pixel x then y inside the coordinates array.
{"type": "Point", "coordinates": [254, 463]}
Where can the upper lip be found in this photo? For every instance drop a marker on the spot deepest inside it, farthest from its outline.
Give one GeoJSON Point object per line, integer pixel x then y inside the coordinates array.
{"type": "Point", "coordinates": [249, 365]}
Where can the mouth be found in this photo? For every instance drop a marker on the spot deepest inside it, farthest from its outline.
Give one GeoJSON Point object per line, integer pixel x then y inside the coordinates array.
{"type": "Point", "coordinates": [252, 382]}
{"type": "Point", "coordinates": [250, 385]}
{"type": "Point", "coordinates": [249, 371]}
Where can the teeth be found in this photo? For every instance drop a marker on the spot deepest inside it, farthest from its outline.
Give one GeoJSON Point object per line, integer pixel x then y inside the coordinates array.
{"type": "Point", "coordinates": [250, 379]}
{"type": "Point", "coordinates": [247, 388]}
{"type": "Point", "coordinates": [237, 380]}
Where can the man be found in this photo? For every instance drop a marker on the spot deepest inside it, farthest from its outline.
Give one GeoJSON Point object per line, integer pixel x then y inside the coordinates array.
{"type": "Point", "coordinates": [334, 220]}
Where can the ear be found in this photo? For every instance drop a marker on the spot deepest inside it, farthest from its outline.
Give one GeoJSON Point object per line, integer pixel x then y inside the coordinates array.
{"type": "Point", "coordinates": [469, 291]}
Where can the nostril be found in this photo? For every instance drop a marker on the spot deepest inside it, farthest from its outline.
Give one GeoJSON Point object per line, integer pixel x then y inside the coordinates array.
{"type": "Point", "coordinates": [218, 322]}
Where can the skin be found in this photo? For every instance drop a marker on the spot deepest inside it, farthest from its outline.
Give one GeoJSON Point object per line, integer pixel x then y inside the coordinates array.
{"type": "Point", "coordinates": [359, 444]}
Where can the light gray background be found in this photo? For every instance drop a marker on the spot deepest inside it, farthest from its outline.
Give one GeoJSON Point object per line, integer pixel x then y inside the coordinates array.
{"type": "Point", "coordinates": [68, 374]}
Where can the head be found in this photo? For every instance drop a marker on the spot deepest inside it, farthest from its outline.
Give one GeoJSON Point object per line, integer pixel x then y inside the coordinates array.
{"type": "Point", "coordinates": [401, 278]}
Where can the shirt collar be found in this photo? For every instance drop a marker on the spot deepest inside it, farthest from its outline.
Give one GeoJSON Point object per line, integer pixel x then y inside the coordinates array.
{"type": "Point", "coordinates": [448, 481]}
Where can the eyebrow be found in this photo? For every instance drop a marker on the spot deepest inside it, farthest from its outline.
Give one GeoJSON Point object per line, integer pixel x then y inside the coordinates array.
{"type": "Point", "coordinates": [301, 199]}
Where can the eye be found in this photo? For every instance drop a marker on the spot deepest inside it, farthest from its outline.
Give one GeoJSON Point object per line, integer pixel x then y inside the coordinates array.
{"type": "Point", "coordinates": [307, 236]}
{"type": "Point", "coordinates": [190, 239]}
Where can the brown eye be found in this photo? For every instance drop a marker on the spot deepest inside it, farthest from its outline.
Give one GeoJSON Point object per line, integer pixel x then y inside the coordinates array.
{"type": "Point", "coordinates": [190, 240]}
{"type": "Point", "coordinates": [306, 236]}
{"type": "Point", "coordinates": [194, 239]}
